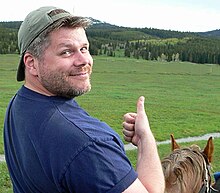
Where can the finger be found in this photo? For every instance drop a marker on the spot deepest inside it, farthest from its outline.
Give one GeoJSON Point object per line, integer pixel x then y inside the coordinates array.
{"type": "Point", "coordinates": [130, 117]}
{"type": "Point", "coordinates": [128, 139]}
{"type": "Point", "coordinates": [128, 126]}
{"type": "Point", "coordinates": [128, 133]}
{"type": "Point", "coordinates": [140, 105]}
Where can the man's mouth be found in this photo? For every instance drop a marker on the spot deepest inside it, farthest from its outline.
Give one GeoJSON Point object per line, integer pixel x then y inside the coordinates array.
{"type": "Point", "coordinates": [80, 75]}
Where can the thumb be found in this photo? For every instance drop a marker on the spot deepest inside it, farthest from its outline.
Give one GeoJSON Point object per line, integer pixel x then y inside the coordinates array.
{"type": "Point", "coordinates": [140, 105]}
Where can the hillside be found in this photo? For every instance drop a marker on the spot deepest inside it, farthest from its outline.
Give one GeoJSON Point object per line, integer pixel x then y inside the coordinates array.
{"type": "Point", "coordinates": [146, 43]}
{"type": "Point", "coordinates": [98, 25]}
{"type": "Point", "coordinates": [214, 33]}
{"type": "Point", "coordinates": [155, 44]}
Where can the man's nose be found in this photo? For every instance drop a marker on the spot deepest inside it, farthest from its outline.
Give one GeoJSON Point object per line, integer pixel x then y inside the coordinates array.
{"type": "Point", "coordinates": [82, 59]}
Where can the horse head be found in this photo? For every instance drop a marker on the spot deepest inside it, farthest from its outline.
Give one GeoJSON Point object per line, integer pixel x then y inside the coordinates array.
{"type": "Point", "coordinates": [188, 169]}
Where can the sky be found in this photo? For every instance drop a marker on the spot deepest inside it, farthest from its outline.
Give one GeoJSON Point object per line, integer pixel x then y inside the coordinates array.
{"type": "Point", "coordinates": [179, 15]}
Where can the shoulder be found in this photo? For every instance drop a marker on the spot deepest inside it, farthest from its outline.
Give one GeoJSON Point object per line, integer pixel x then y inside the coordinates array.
{"type": "Point", "coordinates": [101, 166]}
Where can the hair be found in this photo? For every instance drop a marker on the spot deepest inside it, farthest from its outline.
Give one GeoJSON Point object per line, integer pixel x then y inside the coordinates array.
{"type": "Point", "coordinates": [41, 43]}
{"type": "Point", "coordinates": [184, 170]}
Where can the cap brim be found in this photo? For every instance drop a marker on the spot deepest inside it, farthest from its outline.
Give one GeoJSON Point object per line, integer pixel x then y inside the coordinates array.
{"type": "Point", "coordinates": [20, 71]}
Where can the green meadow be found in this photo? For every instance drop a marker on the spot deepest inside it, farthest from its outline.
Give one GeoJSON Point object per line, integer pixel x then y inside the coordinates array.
{"type": "Point", "coordinates": [180, 98]}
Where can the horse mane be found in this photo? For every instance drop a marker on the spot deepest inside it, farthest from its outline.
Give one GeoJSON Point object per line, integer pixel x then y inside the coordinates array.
{"type": "Point", "coordinates": [184, 169]}
{"type": "Point", "coordinates": [180, 169]}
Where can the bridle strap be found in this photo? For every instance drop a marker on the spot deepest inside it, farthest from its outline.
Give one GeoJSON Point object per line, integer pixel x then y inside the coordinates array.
{"type": "Point", "coordinates": [211, 190]}
{"type": "Point", "coordinates": [206, 187]}
{"type": "Point", "coordinates": [203, 189]}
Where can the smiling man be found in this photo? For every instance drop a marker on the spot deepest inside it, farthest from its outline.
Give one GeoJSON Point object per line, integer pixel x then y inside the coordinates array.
{"type": "Point", "coordinates": [66, 65]}
{"type": "Point", "coordinates": [51, 144]}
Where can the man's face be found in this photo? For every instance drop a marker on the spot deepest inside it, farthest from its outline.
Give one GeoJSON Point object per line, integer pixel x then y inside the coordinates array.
{"type": "Point", "coordinates": [67, 64]}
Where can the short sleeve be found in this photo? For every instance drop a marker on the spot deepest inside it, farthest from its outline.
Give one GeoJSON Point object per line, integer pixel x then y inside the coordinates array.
{"type": "Point", "coordinates": [100, 167]}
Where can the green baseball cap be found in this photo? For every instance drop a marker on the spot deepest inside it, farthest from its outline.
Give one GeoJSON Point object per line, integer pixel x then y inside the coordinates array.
{"type": "Point", "coordinates": [32, 26]}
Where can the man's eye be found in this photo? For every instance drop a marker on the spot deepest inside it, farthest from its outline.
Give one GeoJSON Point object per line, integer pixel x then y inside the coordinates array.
{"type": "Point", "coordinates": [66, 52]}
{"type": "Point", "coordinates": [84, 49]}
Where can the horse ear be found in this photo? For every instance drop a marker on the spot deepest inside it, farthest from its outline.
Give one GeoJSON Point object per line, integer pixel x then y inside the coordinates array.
{"type": "Point", "coordinates": [174, 143]}
{"type": "Point", "coordinates": [209, 149]}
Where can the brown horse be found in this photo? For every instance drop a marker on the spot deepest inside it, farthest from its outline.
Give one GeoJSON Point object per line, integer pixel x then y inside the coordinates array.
{"type": "Point", "coordinates": [187, 170]}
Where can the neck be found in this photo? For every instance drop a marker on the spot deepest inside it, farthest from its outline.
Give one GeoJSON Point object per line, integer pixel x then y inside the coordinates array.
{"type": "Point", "coordinates": [36, 86]}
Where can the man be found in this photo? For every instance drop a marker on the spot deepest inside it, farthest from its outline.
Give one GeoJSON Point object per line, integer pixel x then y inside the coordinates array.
{"type": "Point", "coordinates": [51, 144]}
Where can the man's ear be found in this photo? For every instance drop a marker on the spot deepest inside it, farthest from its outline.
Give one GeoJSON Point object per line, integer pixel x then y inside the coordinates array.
{"type": "Point", "coordinates": [30, 64]}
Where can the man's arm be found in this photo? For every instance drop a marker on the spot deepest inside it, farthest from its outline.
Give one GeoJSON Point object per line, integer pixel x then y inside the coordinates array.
{"type": "Point", "coordinates": [136, 130]}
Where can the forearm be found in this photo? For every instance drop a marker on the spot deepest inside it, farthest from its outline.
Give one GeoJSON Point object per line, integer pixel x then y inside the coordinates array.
{"type": "Point", "coordinates": [149, 166]}
{"type": "Point", "coordinates": [136, 129]}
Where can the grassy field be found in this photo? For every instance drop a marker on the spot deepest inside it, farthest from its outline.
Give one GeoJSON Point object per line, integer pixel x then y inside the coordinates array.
{"type": "Point", "coordinates": [181, 98]}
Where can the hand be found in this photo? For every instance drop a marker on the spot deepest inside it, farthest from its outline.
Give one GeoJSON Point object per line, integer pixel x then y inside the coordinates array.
{"type": "Point", "coordinates": [136, 125]}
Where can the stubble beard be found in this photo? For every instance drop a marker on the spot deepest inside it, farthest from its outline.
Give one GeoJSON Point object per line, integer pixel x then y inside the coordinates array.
{"type": "Point", "coordinates": [58, 85]}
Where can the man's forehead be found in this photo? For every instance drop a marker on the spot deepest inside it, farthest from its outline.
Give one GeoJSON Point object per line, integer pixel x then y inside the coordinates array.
{"type": "Point", "coordinates": [67, 36]}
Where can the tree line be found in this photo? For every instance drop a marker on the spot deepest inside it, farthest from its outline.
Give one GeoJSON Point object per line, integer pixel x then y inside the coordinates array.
{"type": "Point", "coordinates": [154, 44]}
{"type": "Point", "coordinates": [196, 50]}
{"type": "Point", "coordinates": [144, 43]}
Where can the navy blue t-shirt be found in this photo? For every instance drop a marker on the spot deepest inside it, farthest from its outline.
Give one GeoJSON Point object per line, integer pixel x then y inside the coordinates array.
{"type": "Point", "coordinates": [52, 145]}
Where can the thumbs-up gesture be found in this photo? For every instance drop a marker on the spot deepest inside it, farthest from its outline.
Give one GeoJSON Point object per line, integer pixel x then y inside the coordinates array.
{"type": "Point", "coordinates": [136, 125]}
